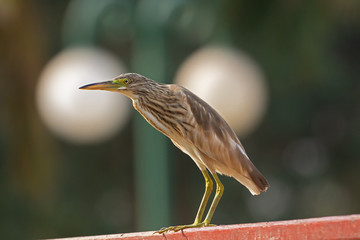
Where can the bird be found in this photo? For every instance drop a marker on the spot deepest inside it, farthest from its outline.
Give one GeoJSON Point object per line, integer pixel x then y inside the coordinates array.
{"type": "Point", "coordinates": [196, 129]}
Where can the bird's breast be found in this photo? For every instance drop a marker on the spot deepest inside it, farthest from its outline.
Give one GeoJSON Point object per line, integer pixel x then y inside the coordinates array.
{"type": "Point", "coordinates": [151, 118]}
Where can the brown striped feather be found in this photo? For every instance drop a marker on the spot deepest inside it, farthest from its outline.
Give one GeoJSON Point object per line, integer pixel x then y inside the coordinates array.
{"type": "Point", "coordinates": [221, 148]}
{"type": "Point", "coordinates": [196, 128]}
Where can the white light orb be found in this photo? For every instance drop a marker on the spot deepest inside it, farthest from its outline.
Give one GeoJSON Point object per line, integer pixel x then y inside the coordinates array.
{"type": "Point", "coordinates": [272, 205]}
{"type": "Point", "coordinates": [230, 81]}
{"type": "Point", "coordinates": [307, 157]}
{"type": "Point", "coordinates": [75, 115]}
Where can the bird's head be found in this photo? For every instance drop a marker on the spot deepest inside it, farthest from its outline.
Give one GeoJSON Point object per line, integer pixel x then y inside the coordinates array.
{"type": "Point", "coordinates": [129, 84]}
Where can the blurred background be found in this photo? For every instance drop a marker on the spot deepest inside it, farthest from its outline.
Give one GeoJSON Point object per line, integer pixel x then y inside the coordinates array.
{"type": "Point", "coordinates": [284, 74]}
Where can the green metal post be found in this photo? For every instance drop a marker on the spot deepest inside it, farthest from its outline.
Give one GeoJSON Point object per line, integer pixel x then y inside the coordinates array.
{"type": "Point", "coordinates": [152, 166]}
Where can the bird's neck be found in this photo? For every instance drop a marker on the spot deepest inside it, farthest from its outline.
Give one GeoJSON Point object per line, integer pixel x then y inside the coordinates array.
{"type": "Point", "coordinates": [150, 113]}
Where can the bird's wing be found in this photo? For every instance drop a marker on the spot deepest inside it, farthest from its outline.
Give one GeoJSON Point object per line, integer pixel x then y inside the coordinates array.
{"type": "Point", "coordinates": [211, 134]}
{"type": "Point", "coordinates": [213, 137]}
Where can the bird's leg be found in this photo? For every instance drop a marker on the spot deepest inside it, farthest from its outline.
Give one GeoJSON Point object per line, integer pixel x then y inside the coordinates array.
{"type": "Point", "coordinates": [218, 195]}
{"type": "Point", "coordinates": [205, 199]}
{"type": "Point", "coordinates": [206, 222]}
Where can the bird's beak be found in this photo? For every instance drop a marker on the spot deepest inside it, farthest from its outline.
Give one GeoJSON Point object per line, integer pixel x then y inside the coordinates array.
{"type": "Point", "coordinates": [108, 85]}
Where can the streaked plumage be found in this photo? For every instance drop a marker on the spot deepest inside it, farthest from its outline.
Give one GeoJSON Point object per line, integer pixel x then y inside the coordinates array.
{"type": "Point", "coordinates": [194, 127]}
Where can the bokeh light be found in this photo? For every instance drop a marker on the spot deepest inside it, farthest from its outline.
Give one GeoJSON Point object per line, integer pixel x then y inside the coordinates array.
{"type": "Point", "coordinates": [230, 81]}
{"type": "Point", "coordinates": [275, 204]}
{"type": "Point", "coordinates": [306, 157]}
{"type": "Point", "coordinates": [76, 115]}
{"type": "Point", "coordinates": [324, 197]}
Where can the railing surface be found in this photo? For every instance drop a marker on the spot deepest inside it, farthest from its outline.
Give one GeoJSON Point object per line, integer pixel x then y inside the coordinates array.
{"type": "Point", "coordinates": [338, 227]}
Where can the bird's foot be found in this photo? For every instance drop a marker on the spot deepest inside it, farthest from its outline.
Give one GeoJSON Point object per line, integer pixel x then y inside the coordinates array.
{"type": "Point", "coordinates": [181, 227]}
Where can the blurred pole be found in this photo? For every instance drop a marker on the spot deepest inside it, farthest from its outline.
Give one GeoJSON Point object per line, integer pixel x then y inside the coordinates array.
{"type": "Point", "coordinates": [82, 17]}
{"type": "Point", "coordinates": [152, 172]}
{"type": "Point", "coordinates": [152, 163]}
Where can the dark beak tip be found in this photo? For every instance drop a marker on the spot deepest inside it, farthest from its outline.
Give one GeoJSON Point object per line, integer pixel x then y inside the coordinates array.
{"type": "Point", "coordinates": [98, 86]}
{"type": "Point", "coordinates": [88, 86]}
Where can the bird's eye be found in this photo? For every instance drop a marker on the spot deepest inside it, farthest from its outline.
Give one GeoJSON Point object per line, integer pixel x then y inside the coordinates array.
{"type": "Point", "coordinates": [126, 81]}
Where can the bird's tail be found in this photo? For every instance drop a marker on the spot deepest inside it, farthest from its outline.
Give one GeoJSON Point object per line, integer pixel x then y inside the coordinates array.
{"type": "Point", "coordinates": [259, 181]}
{"type": "Point", "coordinates": [253, 180]}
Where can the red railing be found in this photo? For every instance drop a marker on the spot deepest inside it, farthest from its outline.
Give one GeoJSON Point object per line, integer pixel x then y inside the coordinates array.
{"type": "Point", "coordinates": [339, 227]}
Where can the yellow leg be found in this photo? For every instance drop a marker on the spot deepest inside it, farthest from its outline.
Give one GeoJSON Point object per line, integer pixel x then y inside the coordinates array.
{"type": "Point", "coordinates": [205, 199]}
{"type": "Point", "coordinates": [208, 189]}
{"type": "Point", "coordinates": [218, 195]}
